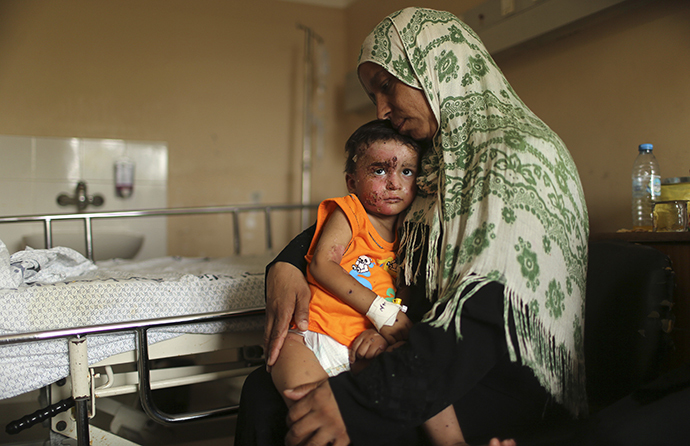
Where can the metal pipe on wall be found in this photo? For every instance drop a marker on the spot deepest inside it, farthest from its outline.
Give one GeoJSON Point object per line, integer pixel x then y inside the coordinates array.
{"type": "Point", "coordinates": [308, 117]}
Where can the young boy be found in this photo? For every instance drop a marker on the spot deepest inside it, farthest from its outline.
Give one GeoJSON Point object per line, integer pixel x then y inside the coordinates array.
{"type": "Point", "coordinates": [352, 269]}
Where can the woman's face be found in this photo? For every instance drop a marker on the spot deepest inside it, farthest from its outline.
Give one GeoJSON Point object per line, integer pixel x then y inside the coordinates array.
{"type": "Point", "coordinates": [406, 107]}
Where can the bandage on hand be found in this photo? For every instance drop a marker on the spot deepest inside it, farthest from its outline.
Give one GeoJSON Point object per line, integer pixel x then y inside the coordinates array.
{"type": "Point", "coordinates": [382, 313]}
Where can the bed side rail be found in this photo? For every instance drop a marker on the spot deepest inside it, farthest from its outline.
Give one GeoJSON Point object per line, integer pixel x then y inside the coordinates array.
{"type": "Point", "coordinates": [140, 328]}
{"type": "Point", "coordinates": [88, 217]}
{"type": "Point", "coordinates": [128, 326]}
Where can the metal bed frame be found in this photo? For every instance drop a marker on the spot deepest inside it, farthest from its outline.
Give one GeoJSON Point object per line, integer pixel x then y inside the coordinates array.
{"type": "Point", "coordinates": [88, 218]}
{"type": "Point", "coordinates": [83, 392]}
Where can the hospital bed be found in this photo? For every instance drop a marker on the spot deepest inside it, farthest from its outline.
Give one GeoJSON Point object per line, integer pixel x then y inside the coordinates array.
{"type": "Point", "coordinates": [111, 331]}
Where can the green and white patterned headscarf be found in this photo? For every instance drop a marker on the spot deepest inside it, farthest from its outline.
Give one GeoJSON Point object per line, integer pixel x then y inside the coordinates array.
{"type": "Point", "coordinates": [499, 197]}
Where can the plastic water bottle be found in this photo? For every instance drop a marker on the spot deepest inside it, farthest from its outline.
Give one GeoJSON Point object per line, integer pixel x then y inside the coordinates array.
{"type": "Point", "coordinates": [646, 187]}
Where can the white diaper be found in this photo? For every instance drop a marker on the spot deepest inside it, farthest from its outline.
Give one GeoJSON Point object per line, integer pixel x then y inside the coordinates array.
{"type": "Point", "coordinates": [332, 355]}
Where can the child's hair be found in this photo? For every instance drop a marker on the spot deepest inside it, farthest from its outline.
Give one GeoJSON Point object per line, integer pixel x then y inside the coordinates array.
{"type": "Point", "coordinates": [379, 130]}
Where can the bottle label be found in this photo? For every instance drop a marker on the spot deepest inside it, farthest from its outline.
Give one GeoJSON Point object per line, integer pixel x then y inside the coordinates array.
{"type": "Point", "coordinates": [647, 185]}
{"type": "Point", "coordinates": [655, 186]}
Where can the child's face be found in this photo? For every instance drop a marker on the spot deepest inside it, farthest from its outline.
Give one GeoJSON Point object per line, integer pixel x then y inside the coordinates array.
{"type": "Point", "coordinates": [385, 177]}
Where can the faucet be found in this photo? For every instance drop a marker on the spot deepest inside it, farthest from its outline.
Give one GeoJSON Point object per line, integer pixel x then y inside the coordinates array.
{"type": "Point", "coordinates": [80, 198]}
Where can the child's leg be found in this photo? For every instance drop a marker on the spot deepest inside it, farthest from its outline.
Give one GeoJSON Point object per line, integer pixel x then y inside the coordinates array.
{"type": "Point", "coordinates": [443, 429]}
{"type": "Point", "coordinates": [296, 365]}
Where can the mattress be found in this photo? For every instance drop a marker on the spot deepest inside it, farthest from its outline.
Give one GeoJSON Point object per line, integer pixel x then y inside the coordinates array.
{"type": "Point", "coordinates": [121, 291]}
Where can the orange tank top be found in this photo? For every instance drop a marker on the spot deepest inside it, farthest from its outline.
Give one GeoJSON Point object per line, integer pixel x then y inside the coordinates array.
{"type": "Point", "coordinates": [368, 258]}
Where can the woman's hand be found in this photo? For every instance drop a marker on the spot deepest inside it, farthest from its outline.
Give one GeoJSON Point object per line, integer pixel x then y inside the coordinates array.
{"type": "Point", "coordinates": [399, 331]}
{"type": "Point", "coordinates": [287, 299]}
{"type": "Point", "coordinates": [369, 344]}
{"type": "Point", "coordinates": [315, 418]}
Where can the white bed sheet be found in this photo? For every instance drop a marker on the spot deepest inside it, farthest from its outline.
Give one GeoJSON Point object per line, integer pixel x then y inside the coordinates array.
{"type": "Point", "coordinates": [119, 291]}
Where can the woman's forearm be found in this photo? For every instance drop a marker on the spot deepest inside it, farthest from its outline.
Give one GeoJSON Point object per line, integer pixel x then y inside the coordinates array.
{"type": "Point", "coordinates": [287, 294]}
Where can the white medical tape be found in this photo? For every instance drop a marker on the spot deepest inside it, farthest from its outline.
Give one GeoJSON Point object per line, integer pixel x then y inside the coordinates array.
{"type": "Point", "coordinates": [382, 313]}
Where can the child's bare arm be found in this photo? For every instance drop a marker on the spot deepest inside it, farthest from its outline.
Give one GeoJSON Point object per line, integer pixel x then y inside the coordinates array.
{"type": "Point", "coordinates": [325, 266]}
{"type": "Point", "coordinates": [326, 270]}
{"type": "Point", "coordinates": [369, 344]}
{"type": "Point", "coordinates": [399, 331]}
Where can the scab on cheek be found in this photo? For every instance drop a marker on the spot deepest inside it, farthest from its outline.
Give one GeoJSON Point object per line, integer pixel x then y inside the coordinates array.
{"type": "Point", "coordinates": [371, 199]}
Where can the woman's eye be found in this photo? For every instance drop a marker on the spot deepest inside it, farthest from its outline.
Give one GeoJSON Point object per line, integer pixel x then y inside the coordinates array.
{"type": "Point", "coordinates": [408, 172]}
{"type": "Point", "coordinates": [386, 84]}
{"type": "Point", "coordinates": [380, 171]}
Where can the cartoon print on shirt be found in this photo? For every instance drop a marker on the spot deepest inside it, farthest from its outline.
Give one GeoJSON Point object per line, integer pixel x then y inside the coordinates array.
{"type": "Point", "coordinates": [390, 265]}
{"type": "Point", "coordinates": [361, 270]}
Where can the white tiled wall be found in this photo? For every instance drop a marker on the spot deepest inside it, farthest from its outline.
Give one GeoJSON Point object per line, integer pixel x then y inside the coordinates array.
{"type": "Point", "coordinates": [34, 171]}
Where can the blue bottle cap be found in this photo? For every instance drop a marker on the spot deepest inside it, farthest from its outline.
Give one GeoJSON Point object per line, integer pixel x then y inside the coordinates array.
{"type": "Point", "coordinates": [646, 147]}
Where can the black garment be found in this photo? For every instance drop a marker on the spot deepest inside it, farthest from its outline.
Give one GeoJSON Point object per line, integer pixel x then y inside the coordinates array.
{"type": "Point", "coordinates": [262, 414]}
{"type": "Point", "coordinates": [654, 415]}
{"type": "Point", "coordinates": [492, 395]}
{"type": "Point", "coordinates": [398, 391]}
{"type": "Point", "coordinates": [294, 253]}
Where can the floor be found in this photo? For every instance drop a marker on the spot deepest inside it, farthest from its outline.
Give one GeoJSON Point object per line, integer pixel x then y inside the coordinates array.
{"type": "Point", "coordinates": [134, 425]}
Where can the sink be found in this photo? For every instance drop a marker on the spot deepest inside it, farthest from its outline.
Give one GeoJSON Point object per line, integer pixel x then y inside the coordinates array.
{"type": "Point", "coordinates": [106, 245]}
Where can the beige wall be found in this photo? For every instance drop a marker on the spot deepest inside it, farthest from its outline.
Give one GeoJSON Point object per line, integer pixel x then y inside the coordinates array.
{"type": "Point", "coordinates": [221, 82]}
{"type": "Point", "coordinates": [608, 88]}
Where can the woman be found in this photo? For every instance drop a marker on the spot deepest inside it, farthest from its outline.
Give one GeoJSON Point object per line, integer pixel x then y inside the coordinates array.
{"type": "Point", "coordinates": [496, 241]}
